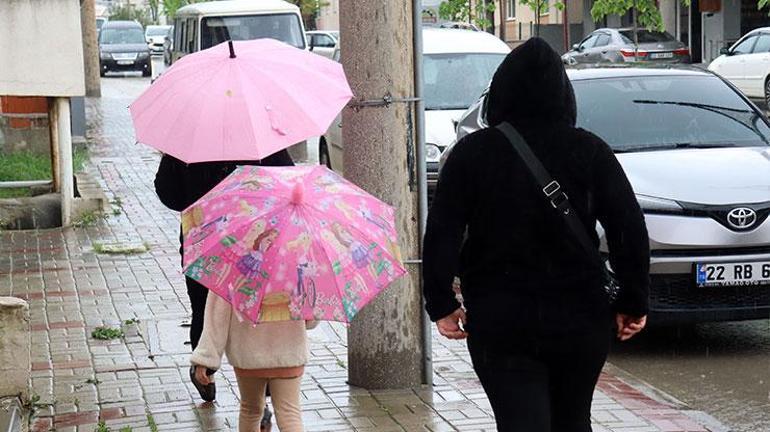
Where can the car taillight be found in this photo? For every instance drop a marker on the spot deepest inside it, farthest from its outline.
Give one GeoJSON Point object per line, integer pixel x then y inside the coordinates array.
{"type": "Point", "coordinates": [682, 52]}
{"type": "Point", "coordinates": [630, 53]}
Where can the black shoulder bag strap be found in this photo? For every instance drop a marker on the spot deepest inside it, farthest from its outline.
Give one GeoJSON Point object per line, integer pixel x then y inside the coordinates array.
{"type": "Point", "coordinates": [550, 188]}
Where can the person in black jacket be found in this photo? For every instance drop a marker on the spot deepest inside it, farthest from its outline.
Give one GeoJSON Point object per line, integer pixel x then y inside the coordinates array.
{"type": "Point", "coordinates": [178, 186]}
{"type": "Point", "coordinates": [536, 315]}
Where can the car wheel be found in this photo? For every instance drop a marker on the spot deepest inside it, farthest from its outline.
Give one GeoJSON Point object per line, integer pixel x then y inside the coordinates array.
{"type": "Point", "coordinates": [323, 154]}
{"type": "Point", "coordinates": [102, 72]}
{"type": "Point", "coordinates": [767, 93]}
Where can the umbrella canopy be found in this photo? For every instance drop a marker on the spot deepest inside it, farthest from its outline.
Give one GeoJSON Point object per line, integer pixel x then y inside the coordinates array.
{"type": "Point", "coordinates": [291, 243]}
{"type": "Point", "coordinates": [242, 100]}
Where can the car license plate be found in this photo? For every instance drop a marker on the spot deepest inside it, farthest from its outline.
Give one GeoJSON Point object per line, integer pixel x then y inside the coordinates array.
{"type": "Point", "coordinates": [663, 55]}
{"type": "Point", "coordinates": [125, 62]}
{"type": "Point", "coordinates": [733, 274]}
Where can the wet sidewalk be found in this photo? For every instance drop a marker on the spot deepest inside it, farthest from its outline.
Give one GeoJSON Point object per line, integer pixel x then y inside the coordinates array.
{"type": "Point", "coordinates": [140, 381]}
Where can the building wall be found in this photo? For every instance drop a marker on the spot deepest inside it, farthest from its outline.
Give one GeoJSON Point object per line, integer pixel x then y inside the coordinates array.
{"type": "Point", "coordinates": [44, 40]}
{"type": "Point", "coordinates": [329, 16]}
{"type": "Point", "coordinates": [24, 124]}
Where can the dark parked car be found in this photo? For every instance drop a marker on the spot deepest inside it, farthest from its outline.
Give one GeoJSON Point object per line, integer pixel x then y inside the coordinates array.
{"type": "Point", "coordinates": [696, 160]}
{"type": "Point", "coordinates": [122, 47]}
{"type": "Point", "coordinates": [608, 45]}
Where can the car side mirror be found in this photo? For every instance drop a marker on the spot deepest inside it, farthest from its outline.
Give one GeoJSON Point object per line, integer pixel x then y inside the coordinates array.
{"type": "Point", "coordinates": [725, 51]}
{"type": "Point", "coordinates": [577, 47]}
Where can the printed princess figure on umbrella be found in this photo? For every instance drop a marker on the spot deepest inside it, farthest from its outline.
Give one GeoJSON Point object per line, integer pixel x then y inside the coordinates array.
{"type": "Point", "coordinates": [250, 264]}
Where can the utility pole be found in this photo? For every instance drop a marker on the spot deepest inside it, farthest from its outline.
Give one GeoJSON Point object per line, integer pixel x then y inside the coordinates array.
{"type": "Point", "coordinates": [90, 48]}
{"type": "Point", "coordinates": [385, 348]}
{"type": "Point", "coordinates": [565, 18]}
{"type": "Point", "coordinates": [503, 20]}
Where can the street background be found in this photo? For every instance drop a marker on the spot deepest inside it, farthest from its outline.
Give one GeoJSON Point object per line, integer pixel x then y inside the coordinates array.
{"type": "Point", "coordinates": [719, 369]}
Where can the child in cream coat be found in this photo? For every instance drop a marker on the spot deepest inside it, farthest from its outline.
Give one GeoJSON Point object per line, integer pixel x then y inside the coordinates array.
{"type": "Point", "coordinates": [272, 353]}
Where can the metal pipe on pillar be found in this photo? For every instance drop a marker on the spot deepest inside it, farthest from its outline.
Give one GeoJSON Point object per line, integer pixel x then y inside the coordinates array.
{"type": "Point", "coordinates": [422, 177]}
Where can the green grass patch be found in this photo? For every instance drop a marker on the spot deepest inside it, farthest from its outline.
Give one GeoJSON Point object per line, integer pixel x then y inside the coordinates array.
{"type": "Point", "coordinates": [107, 333]}
{"type": "Point", "coordinates": [121, 248]}
{"type": "Point", "coordinates": [151, 423]}
{"type": "Point", "coordinates": [88, 219]}
{"type": "Point", "coordinates": [24, 165]}
{"type": "Point", "coordinates": [15, 192]}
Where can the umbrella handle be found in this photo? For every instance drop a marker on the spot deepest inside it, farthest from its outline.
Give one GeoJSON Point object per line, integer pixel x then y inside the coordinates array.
{"type": "Point", "coordinates": [232, 51]}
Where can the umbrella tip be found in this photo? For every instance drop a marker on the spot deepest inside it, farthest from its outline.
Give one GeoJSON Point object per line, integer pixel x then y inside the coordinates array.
{"type": "Point", "coordinates": [298, 193]}
{"type": "Point", "coordinates": [232, 50]}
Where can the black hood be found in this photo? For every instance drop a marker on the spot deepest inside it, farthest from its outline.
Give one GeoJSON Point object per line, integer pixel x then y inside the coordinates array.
{"type": "Point", "coordinates": [531, 86]}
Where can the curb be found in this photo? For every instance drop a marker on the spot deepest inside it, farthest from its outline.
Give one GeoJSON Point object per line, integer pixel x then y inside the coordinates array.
{"type": "Point", "coordinates": [661, 398]}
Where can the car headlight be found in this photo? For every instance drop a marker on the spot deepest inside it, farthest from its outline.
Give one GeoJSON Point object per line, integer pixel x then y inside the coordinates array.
{"type": "Point", "coordinates": [143, 54]}
{"type": "Point", "coordinates": [105, 56]}
{"type": "Point", "coordinates": [432, 153]}
{"type": "Point", "coordinates": [658, 205]}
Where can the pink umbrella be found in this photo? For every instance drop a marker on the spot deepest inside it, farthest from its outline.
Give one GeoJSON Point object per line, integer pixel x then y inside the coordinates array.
{"type": "Point", "coordinates": [291, 243]}
{"type": "Point", "coordinates": [242, 100]}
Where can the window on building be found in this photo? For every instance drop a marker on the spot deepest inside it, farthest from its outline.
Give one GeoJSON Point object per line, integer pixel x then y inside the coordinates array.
{"type": "Point", "coordinates": [510, 9]}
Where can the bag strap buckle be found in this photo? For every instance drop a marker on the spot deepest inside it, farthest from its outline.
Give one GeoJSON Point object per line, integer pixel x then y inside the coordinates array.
{"type": "Point", "coordinates": [551, 189]}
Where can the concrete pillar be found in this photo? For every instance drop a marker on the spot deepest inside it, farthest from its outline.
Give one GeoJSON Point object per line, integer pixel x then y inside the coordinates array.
{"type": "Point", "coordinates": [385, 339]}
{"type": "Point", "coordinates": [61, 155]}
{"type": "Point", "coordinates": [15, 345]}
{"type": "Point", "coordinates": [90, 48]}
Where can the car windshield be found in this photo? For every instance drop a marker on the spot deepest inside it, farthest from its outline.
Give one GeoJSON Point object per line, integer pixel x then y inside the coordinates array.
{"type": "Point", "coordinates": [645, 36]}
{"type": "Point", "coordinates": [118, 36]}
{"type": "Point", "coordinates": [659, 113]}
{"type": "Point", "coordinates": [455, 81]}
{"type": "Point", "coordinates": [283, 27]}
{"type": "Point", "coordinates": [157, 31]}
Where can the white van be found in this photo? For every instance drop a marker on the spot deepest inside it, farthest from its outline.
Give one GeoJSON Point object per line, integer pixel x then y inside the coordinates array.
{"type": "Point", "coordinates": [199, 26]}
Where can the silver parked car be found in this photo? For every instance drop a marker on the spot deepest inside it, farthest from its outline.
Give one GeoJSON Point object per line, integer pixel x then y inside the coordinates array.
{"type": "Point", "coordinates": [699, 162]}
{"type": "Point", "coordinates": [608, 45]}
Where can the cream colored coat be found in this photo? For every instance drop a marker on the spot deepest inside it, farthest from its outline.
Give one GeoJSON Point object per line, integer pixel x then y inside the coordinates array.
{"type": "Point", "coordinates": [265, 346]}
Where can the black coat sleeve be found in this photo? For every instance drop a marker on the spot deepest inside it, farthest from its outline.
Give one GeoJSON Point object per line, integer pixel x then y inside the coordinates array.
{"type": "Point", "coordinates": [170, 183]}
{"type": "Point", "coordinates": [447, 221]}
{"type": "Point", "coordinates": [627, 238]}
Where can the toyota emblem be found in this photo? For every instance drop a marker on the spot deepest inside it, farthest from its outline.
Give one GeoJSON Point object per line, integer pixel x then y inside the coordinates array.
{"type": "Point", "coordinates": [742, 218]}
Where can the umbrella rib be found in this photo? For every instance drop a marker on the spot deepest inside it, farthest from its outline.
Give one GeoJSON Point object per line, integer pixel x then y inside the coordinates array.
{"type": "Point", "coordinates": [362, 235]}
{"type": "Point", "coordinates": [189, 106]}
{"type": "Point", "coordinates": [269, 282]}
{"type": "Point", "coordinates": [326, 254]}
{"type": "Point", "coordinates": [252, 130]}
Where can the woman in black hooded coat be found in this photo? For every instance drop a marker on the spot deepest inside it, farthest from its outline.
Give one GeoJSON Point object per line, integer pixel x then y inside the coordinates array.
{"type": "Point", "coordinates": [536, 316]}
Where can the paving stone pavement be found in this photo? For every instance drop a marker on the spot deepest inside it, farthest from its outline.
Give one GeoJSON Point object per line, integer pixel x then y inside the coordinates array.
{"type": "Point", "coordinates": [141, 380]}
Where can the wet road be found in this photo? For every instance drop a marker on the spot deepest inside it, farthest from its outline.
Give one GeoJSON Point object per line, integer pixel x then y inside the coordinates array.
{"type": "Point", "coordinates": [721, 369]}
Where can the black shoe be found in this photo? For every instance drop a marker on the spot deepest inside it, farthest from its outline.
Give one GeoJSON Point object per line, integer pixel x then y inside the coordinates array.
{"type": "Point", "coordinates": [208, 392]}
{"type": "Point", "coordinates": [267, 417]}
